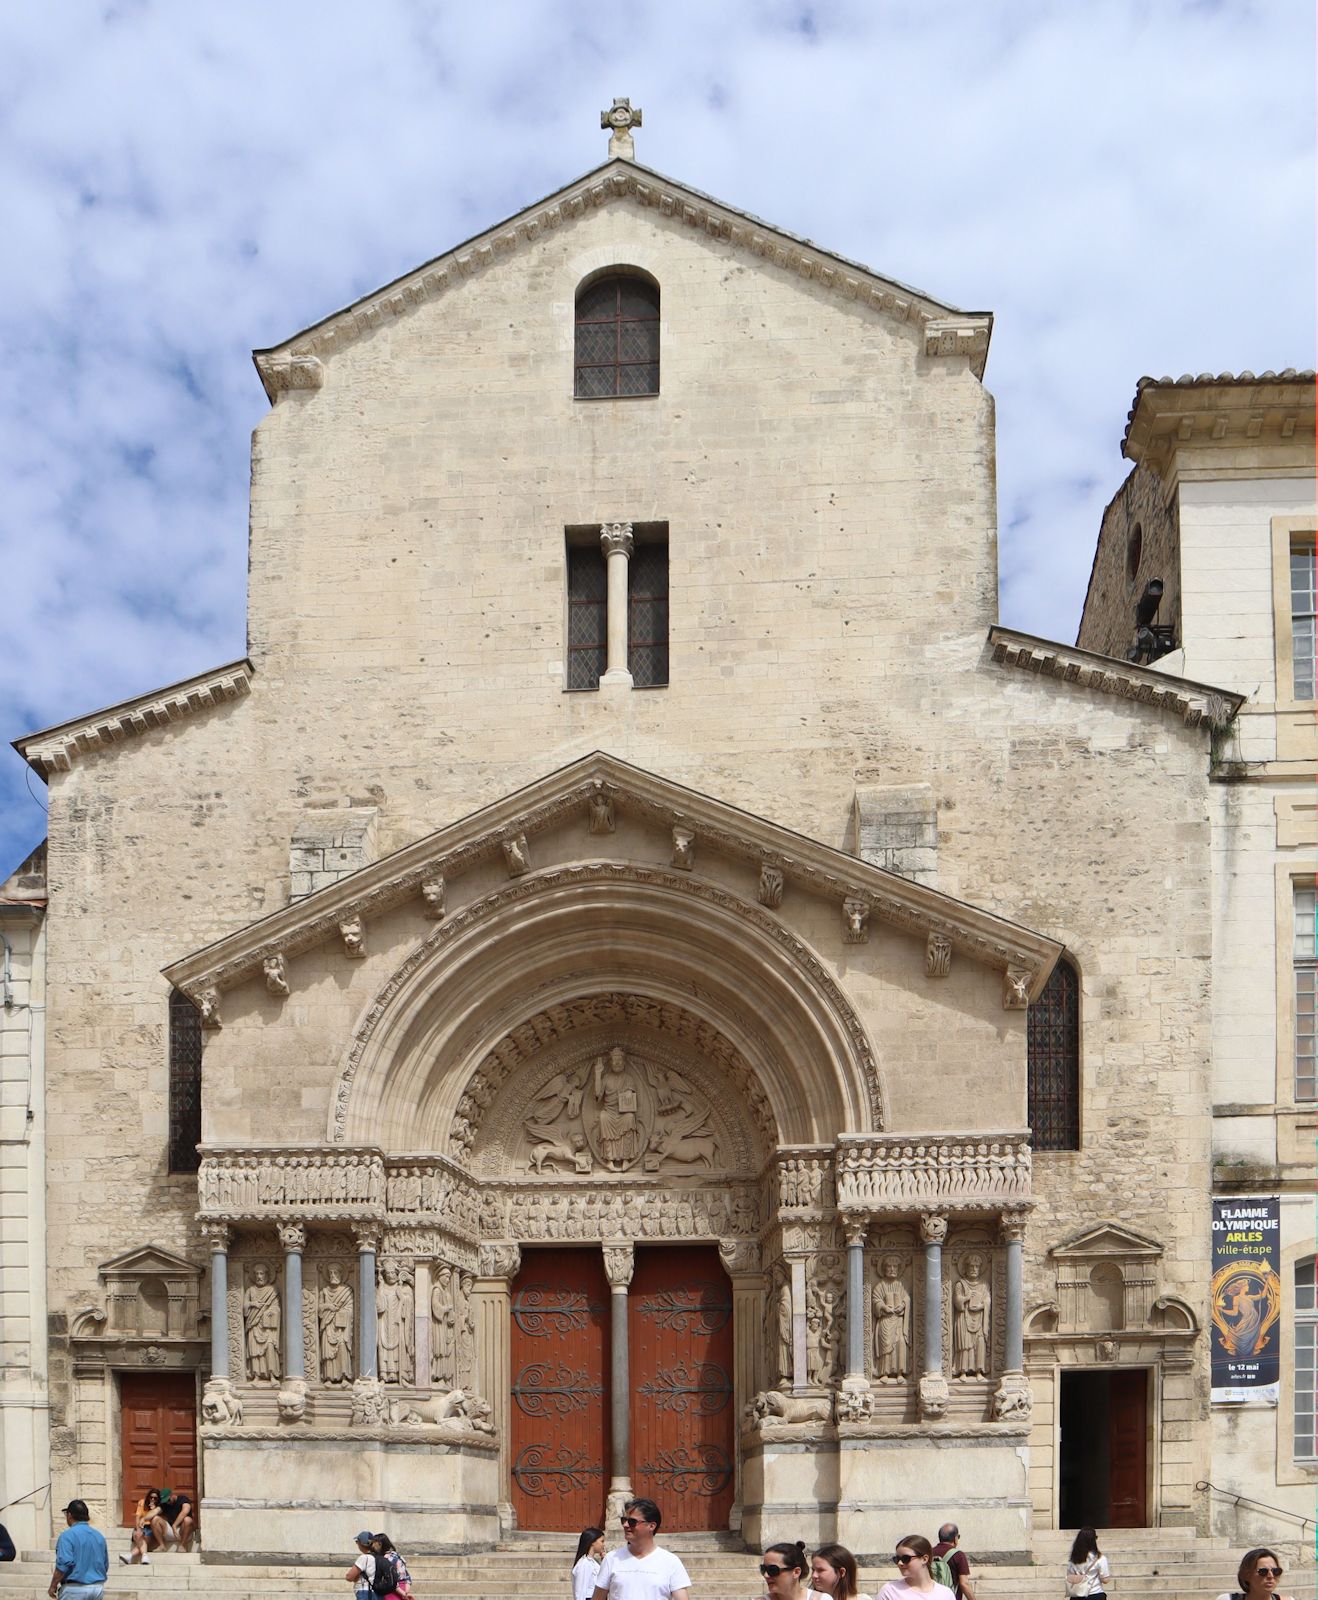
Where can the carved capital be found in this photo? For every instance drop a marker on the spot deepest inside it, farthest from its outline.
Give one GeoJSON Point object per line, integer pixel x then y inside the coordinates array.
{"type": "Point", "coordinates": [432, 894]}
{"type": "Point", "coordinates": [856, 921]}
{"type": "Point", "coordinates": [352, 930]}
{"type": "Point", "coordinates": [1012, 1400]}
{"type": "Point", "coordinates": [208, 1003]}
{"type": "Point", "coordinates": [1016, 989]}
{"type": "Point", "coordinates": [367, 1235]}
{"type": "Point", "coordinates": [937, 955]}
{"type": "Point", "coordinates": [216, 1236]}
{"type": "Point", "coordinates": [854, 1230]}
{"type": "Point", "coordinates": [739, 1256]}
{"type": "Point", "coordinates": [684, 849]}
{"type": "Point", "coordinates": [615, 538]}
{"type": "Point", "coordinates": [933, 1228]}
{"type": "Point", "coordinates": [276, 974]}
{"type": "Point", "coordinates": [1011, 1227]}
{"type": "Point", "coordinates": [619, 1261]}
{"type": "Point", "coordinates": [854, 1405]}
{"type": "Point", "coordinates": [292, 1237]}
{"type": "Point", "coordinates": [771, 885]}
{"type": "Point", "coordinates": [516, 855]}
{"type": "Point", "coordinates": [499, 1260]}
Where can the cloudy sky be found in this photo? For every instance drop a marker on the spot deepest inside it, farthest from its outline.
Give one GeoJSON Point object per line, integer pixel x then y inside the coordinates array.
{"type": "Point", "coordinates": [1127, 184]}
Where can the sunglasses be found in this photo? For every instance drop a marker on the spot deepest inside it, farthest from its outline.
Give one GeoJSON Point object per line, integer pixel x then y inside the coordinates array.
{"type": "Point", "coordinates": [902, 1560]}
{"type": "Point", "coordinates": [633, 1522]}
{"type": "Point", "coordinates": [1267, 1572]}
{"type": "Point", "coordinates": [768, 1569]}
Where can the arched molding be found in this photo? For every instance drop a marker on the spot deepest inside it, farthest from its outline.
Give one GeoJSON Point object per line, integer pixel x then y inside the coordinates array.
{"type": "Point", "coordinates": [667, 937]}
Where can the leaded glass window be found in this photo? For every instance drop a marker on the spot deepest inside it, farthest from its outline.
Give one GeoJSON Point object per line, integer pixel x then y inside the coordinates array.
{"type": "Point", "coordinates": [1305, 959]}
{"type": "Point", "coordinates": [184, 1083]}
{"type": "Point", "coordinates": [1303, 612]}
{"type": "Point", "coordinates": [587, 616]}
{"type": "Point", "coordinates": [1053, 1046]}
{"type": "Point", "coordinates": [1306, 1362]}
{"type": "Point", "coordinates": [647, 615]}
{"type": "Point", "coordinates": [617, 339]}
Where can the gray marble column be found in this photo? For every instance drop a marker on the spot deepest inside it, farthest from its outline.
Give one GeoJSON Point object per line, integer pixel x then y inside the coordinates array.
{"type": "Point", "coordinates": [616, 542]}
{"type": "Point", "coordinates": [217, 1236]}
{"type": "Point", "coordinates": [619, 1260]}
{"type": "Point", "coordinates": [855, 1302]}
{"type": "Point", "coordinates": [367, 1241]}
{"type": "Point", "coordinates": [1013, 1231]}
{"type": "Point", "coordinates": [933, 1385]}
{"type": "Point", "coordinates": [293, 1239]}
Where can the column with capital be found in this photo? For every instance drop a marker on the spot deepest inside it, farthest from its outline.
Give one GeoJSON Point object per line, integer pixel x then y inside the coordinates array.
{"type": "Point", "coordinates": [619, 1261]}
{"type": "Point", "coordinates": [367, 1394]}
{"type": "Point", "coordinates": [292, 1398]}
{"type": "Point", "coordinates": [617, 543]}
{"type": "Point", "coordinates": [933, 1385]}
{"type": "Point", "coordinates": [219, 1405]}
{"type": "Point", "coordinates": [855, 1236]}
{"type": "Point", "coordinates": [1012, 1400]}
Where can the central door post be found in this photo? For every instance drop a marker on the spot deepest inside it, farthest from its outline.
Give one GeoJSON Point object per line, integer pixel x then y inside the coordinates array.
{"type": "Point", "coordinates": [619, 1261]}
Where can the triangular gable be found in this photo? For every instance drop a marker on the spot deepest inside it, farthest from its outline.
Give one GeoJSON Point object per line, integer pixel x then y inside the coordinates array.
{"type": "Point", "coordinates": [1107, 1239]}
{"type": "Point", "coordinates": [508, 829]}
{"type": "Point", "coordinates": [148, 1261]}
{"type": "Point", "coordinates": [295, 363]}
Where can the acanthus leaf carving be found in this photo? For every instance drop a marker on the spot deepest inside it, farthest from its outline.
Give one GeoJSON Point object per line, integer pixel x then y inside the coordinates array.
{"type": "Point", "coordinates": [769, 892]}
{"type": "Point", "coordinates": [938, 955]}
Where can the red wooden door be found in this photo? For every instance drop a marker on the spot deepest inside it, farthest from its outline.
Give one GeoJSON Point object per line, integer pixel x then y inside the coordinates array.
{"type": "Point", "coordinates": [680, 1333]}
{"type": "Point", "coordinates": [559, 1410]}
{"type": "Point", "coordinates": [1128, 1450]}
{"type": "Point", "coordinates": [157, 1435]}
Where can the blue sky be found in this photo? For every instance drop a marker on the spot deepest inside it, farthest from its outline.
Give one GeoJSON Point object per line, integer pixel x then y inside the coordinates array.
{"type": "Point", "coordinates": [1126, 184]}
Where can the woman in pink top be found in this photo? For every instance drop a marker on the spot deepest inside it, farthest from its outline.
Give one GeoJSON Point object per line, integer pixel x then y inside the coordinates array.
{"type": "Point", "coordinates": [913, 1556]}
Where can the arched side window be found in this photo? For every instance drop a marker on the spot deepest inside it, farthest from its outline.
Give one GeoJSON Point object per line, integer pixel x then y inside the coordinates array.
{"type": "Point", "coordinates": [1306, 1361]}
{"type": "Point", "coordinates": [1053, 1034]}
{"type": "Point", "coordinates": [617, 339]}
{"type": "Point", "coordinates": [184, 1083]}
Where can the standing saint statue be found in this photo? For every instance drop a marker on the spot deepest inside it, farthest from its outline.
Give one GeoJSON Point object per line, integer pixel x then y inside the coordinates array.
{"type": "Point", "coordinates": [334, 1320]}
{"type": "Point", "coordinates": [391, 1324]}
{"type": "Point", "coordinates": [443, 1325]}
{"type": "Point", "coordinates": [261, 1323]}
{"type": "Point", "coordinates": [466, 1334]}
{"type": "Point", "coordinates": [620, 1133]}
{"type": "Point", "coordinates": [892, 1322]}
{"type": "Point", "coordinates": [971, 1303]}
{"type": "Point", "coordinates": [786, 1363]}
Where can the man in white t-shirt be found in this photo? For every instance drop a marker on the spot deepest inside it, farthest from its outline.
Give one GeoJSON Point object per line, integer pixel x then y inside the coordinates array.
{"type": "Point", "coordinates": [640, 1569]}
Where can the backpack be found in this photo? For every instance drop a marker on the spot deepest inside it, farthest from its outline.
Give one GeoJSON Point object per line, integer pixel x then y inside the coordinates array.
{"type": "Point", "coordinates": [941, 1572]}
{"type": "Point", "coordinates": [384, 1580]}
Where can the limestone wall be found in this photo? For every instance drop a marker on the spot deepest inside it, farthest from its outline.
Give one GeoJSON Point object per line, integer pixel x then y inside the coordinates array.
{"type": "Point", "coordinates": [1117, 581]}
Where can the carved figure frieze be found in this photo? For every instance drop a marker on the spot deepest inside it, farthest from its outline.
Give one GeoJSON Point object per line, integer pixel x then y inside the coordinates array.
{"type": "Point", "coordinates": [739, 1256]}
{"type": "Point", "coordinates": [855, 921]}
{"type": "Point", "coordinates": [432, 898]}
{"type": "Point", "coordinates": [334, 1321]}
{"type": "Point", "coordinates": [890, 1305]}
{"type": "Point", "coordinates": [772, 1406]}
{"type": "Point", "coordinates": [1013, 1400]}
{"type": "Point", "coordinates": [352, 930]}
{"type": "Point", "coordinates": [803, 1183]}
{"type": "Point", "coordinates": [457, 1411]}
{"type": "Point", "coordinates": [825, 1318]}
{"type": "Point", "coordinates": [395, 1323]}
{"type": "Point", "coordinates": [276, 975]}
{"type": "Point", "coordinates": [769, 891]}
{"type": "Point", "coordinates": [938, 955]}
{"type": "Point", "coordinates": [889, 1173]}
{"type": "Point", "coordinates": [646, 1213]}
{"type": "Point", "coordinates": [248, 1185]}
{"type": "Point", "coordinates": [972, 1303]}
{"type": "Point", "coordinates": [262, 1321]}
{"type": "Point", "coordinates": [600, 812]}
{"type": "Point", "coordinates": [500, 1260]}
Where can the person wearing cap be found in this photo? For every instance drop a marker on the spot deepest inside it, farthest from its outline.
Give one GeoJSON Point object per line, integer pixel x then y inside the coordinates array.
{"type": "Point", "coordinates": [362, 1571]}
{"type": "Point", "coordinates": [173, 1522]}
{"type": "Point", "coordinates": [82, 1558]}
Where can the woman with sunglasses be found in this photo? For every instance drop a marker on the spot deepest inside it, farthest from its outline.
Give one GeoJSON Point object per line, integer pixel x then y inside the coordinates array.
{"type": "Point", "coordinates": [913, 1556]}
{"type": "Point", "coordinates": [1087, 1571]}
{"type": "Point", "coordinates": [833, 1573]}
{"type": "Point", "coordinates": [1258, 1577]}
{"type": "Point", "coordinates": [783, 1568]}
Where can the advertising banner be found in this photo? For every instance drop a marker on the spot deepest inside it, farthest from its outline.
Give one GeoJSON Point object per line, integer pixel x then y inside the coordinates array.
{"type": "Point", "coordinates": [1246, 1299]}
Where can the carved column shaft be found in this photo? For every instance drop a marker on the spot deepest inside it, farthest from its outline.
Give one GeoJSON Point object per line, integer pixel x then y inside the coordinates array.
{"type": "Point", "coordinates": [219, 1243]}
{"type": "Point", "coordinates": [855, 1304]}
{"type": "Point", "coordinates": [619, 1261]}
{"type": "Point", "coordinates": [933, 1301]}
{"type": "Point", "coordinates": [367, 1332]}
{"type": "Point", "coordinates": [293, 1238]}
{"type": "Point", "coordinates": [800, 1368]}
{"type": "Point", "coordinates": [616, 542]}
{"type": "Point", "coordinates": [1014, 1350]}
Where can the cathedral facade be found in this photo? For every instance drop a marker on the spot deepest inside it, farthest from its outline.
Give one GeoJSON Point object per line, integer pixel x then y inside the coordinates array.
{"type": "Point", "coordinates": [635, 984]}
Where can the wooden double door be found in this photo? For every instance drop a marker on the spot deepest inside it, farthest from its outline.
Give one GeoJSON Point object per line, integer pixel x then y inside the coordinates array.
{"type": "Point", "coordinates": [682, 1415]}
{"type": "Point", "coordinates": [157, 1435]}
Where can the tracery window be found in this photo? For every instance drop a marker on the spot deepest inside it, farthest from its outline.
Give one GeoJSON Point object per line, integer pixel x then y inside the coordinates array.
{"type": "Point", "coordinates": [1306, 1361]}
{"type": "Point", "coordinates": [1053, 1051]}
{"type": "Point", "coordinates": [617, 337]}
{"type": "Point", "coordinates": [1304, 949]}
{"type": "Point", "coordinates": [184, 1083]}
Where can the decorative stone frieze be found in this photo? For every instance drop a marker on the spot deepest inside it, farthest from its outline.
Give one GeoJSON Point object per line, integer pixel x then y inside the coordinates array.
{"type": "Point", "coordinates": [500, 1260]}
{"type": "Point", "coordinates": [805, 1181]}
{"type": "Point", "coordinates": [569, 1213]}
{"type": "Point", "coordinates": [241, 1185]}
{"type": "Point", "coordinates": [888, 1172]}
{"type": "Point", "coordinates": [739, 1256]}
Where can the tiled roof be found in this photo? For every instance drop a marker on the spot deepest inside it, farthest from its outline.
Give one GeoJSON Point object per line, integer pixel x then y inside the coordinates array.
{"type": "Point", "coordinates": [1205, 380]}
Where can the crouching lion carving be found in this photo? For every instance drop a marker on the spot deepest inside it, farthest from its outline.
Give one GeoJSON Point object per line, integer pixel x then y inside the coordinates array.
{"type": "Point", "coordinates": [457, 1412]}
{"type": "Point", "coordinates": [220, 1406]}
{"type": "Point", "coordinates": [771, 1406]}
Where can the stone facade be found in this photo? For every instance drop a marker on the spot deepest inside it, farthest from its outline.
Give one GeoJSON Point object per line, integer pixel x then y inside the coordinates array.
{"type": "Point", "coordinates": [630, 969]}
{"type": "Point", "coordinates": [1230, 462]}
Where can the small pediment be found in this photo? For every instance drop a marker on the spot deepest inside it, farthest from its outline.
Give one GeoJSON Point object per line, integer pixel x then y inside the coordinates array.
{"type": "Point", "coordinates": [148, 1261]}
{"type": "Point", "coordinates": [684, 831]}
{"type": "Point", "coordinates": [1110, 1241]}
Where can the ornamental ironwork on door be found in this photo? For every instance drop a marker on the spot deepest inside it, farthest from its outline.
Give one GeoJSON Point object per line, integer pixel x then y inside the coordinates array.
{"type": "Point", "coordinates": [559, 1440]}
{"type": "Point", "coordinates": [682, 1412]}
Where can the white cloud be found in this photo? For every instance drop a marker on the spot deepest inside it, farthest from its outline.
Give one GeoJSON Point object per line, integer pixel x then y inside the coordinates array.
{"type": "Point", "coordinates": [1126, 184]}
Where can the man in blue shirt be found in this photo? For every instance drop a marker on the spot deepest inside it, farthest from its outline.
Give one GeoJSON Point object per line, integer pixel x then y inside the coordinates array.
{"type": "Point", "coordinates": [82, 1560]}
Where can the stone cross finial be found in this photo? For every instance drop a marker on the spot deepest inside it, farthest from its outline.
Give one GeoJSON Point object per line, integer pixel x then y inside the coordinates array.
{"type": "Point", "coordinates": [620, 119]}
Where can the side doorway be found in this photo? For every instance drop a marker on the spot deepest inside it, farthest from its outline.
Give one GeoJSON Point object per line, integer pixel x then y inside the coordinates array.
{"type": "Point", "coordinates": [157, 1435]}
{"type": "Point", "coordinates": [1104, 1457]}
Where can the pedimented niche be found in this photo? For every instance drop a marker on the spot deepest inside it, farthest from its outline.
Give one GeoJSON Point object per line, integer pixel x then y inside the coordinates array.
{"type": "Point", "coordinates": [149, 1294]}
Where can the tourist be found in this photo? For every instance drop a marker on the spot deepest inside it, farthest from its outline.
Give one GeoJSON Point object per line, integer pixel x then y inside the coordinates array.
{"type": "Point", "coordinates": [641, 1569]}
{"type": "Point", "coordinates": [1087, 1569]}
{"type": "Point", "coordinates": [913, 1557]}
{"type": "Point", "coordinates": [82, 1558]}
{"type": "Point", "coordinates": [386, 1555]}
{"type": "Point", "coordinates": [586, 1567]}
{"type": "Point", "coordinates": [955, 1560]}
{"type": "Point", "coordinates": [1258, 1577]}
{"type": "Point", "coordinates": [148, 1507]}
{"type": "Point", "coordinates": [783, 1568]}
{"type": "Point", "coordinates": [833, 1572]}
{"type": "Point", "coordinates": [174, 1523]}
{"type": "Point", "coordinates": [362, 1571]}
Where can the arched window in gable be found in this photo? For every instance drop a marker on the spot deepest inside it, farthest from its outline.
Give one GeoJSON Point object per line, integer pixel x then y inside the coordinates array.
{"type": "Point", "coordinates": [1053, 1034]}
{"type": "Point", "coordinates": [184, 1083]}
{"type": "Point", "coordinates": [617, 337]}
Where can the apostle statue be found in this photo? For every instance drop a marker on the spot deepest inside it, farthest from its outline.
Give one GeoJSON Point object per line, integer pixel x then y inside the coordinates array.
{"type": "Point", "coordinates": [261, 1323]}
{"type": "Point", "coordinates": [786, 1364]}
{"type": "Point", "coordinates": [466, 1333]}
{"type": "Point", "coordinates": [971, 1303]}
{"type": "Point", "coordinates": [334, 1319]}
{"type": "Point", "coordinates": [892, 1322]}
{"type": "Point", "coordinates": [391, 1311]}
{"type": "Point", "coordinates": [443, 1323]}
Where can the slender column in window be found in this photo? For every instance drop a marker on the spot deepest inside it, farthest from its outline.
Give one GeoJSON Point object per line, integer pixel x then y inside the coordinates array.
{"type": "Point", "coordinates": [617, 544]}
{"type": "Point", "coordinates": [619, 1263]}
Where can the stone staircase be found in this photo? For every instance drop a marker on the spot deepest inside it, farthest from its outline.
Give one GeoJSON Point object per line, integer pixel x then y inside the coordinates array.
{"type": "Point", "coordinates": [1147, 1564]}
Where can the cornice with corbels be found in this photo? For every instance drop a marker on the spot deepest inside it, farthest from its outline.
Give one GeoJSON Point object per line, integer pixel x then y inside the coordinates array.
{"type": "Point", "coordinates": [947, 332]}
